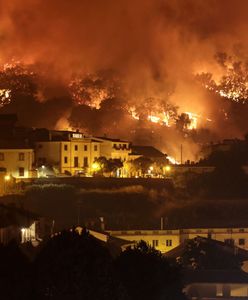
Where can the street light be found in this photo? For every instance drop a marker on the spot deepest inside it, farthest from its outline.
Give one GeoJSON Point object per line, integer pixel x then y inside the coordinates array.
{"type": "Point", "coordinates": [7, 178]}
{"type": "Point", "coordinates": [95, 166]}
{"type": "Point", "coordinates": [168, 169]}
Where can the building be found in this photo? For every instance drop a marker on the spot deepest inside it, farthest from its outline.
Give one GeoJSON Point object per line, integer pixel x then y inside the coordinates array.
{"type": "Point", "coordinates": [216, 284]}
{"type": "Point", "coordinates": [16, 159]}
{"type": "Point", "coordinates": [166, 240]}
{"type": "Point", "coordinates": [67, 152]}
{"type": "Point", "coordinates": [114, 148]}
{"type": "Point", "coordinates": [17, 224]}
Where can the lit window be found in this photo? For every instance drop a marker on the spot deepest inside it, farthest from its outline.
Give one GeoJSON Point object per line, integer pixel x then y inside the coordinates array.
{"type": "Point", "coordinates": [21, 172]}
{"type": "Point", "coordinates": [65, 147]}
{"type": "Point", "coordinates": [168, 243]}
{"type": "Point", "coordinates": [21, 156]}
{"type": "Point", "coordinates": [2, 156]}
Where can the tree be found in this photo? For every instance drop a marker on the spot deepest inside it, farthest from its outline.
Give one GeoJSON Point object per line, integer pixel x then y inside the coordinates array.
{"type": "Point", "coordinates": [142, 164]}
{"type": "Point", "coordinates": [147, 274]}
{"type": "Point", "coordinates": [75, 266]}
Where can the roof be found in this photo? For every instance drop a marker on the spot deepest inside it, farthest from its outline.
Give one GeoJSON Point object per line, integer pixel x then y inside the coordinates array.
{"type": "Point", "coordinates": [111, 140]}
{"type": "Point", "coordinates": [14, 144]}
{"type": "Point", "coordinates": [147, 151]}
{"type": "Point", "coordinates": [12, 216]}
{"type": "Point", "coordinates": [215, 244]}
{"type": "Point", "coordinates": [215, 276]}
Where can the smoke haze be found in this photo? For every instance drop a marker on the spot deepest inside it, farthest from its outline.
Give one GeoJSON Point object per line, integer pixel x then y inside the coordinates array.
{"type": "Point", "coordinates": [155, 47]}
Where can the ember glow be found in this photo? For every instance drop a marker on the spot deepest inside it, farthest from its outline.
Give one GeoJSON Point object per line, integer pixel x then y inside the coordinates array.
{"type": "Point", "coordinates": [5, 97]}
{"type": "Point", "coordinates": [106, 61]}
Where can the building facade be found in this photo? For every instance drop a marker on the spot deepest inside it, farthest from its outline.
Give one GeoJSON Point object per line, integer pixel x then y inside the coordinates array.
{"type": "Point", "coordinates": [74, 154]}
{"type": "Point", "coordinates": [17, 162]}
{"type": "Point", "coordinates": [114, 148]}
{"type": "Point", "coordinates": [166, 240]}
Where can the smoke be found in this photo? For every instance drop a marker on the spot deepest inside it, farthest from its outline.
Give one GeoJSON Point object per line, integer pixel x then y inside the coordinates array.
{"type": "Point", "coordinates": [155, 48]}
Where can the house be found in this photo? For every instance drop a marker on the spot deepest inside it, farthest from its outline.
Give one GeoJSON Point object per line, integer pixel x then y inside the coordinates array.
{"type": "Point", "coordinates": [17, 224]}
{"type": "Point", "coordinates": [211, 269]}
{"type": "Point", "coordinates": [17, 159]}
{"type": "Point", "coordinates": [114, 148]}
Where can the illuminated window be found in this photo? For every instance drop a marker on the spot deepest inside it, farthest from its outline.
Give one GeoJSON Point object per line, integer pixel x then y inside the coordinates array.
{"type": "Point", "coordinates": [21, 156]}
{"type": "Point", "coordinates": [65, 147]}
{"type": "Point", "coordinates": [65, 160]}
{"type": "Point", "coordinates": [2, 156]}
{"type": "Point", "coordinates": [85, 161]}
{"type": "Point", "coordinates": [76, 147]}
{"type": "Point", "coordinates": [155, 243]}
{"type": "Point", "coordinates": [95, 147]}
{"type": "Point", "coordinates": [241, 242]}
{"type": "Point", "coordinates": [75, 161]}
{"type": "Point", "coordinates": [168, 243]}
{"type": "Point", "coordinates": [21, 172]}
{"type": "Point", "coordinates": [85, 148]}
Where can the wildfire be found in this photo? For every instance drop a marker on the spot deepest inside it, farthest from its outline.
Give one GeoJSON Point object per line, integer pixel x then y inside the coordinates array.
{"type": "Point", "coordinates": [5, 97]}
{"type": "Point", "coordinates": [172, 160]}
{"type": "Point", "coordinates": [193, 120]}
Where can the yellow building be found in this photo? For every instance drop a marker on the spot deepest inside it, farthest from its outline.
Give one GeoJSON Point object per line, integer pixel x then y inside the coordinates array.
{"type": "Point", "coordinates": [72, 153]}
{"type": "Point", "coordinates": [17, 161]}
{"type": "Point", "coordinates": [166, 240]}
{"type": "Point", "coordinates": [162, 240]}
{"type": "Point", "coordinates": [114, 148]}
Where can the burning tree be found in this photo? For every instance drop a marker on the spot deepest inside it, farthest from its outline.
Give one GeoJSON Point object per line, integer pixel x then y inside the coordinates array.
{"type": "Point", "coordinates": [233, 84]}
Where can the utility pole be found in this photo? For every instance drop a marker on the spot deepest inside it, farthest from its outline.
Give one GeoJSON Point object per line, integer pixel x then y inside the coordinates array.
{"type": "Point", "coordinates": [181, 154]}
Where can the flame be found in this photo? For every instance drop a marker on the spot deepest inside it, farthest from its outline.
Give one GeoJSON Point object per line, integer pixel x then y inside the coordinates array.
{"type": "Point", "coordinates": [172, 160]}
{"type": "Point", "coordinates": [193, 117]}
{"type": "Point", "coordinates": [5, 97]}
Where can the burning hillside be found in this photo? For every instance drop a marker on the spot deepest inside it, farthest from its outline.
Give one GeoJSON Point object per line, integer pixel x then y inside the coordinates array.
{"type": "Point", "coordinates": [159, 72]}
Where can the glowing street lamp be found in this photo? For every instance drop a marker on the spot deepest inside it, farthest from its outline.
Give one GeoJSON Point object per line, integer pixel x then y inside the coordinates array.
{"type": "Point", "coordinates": [7, 178]}
{"type": "Point", "coordinates": [168, 169]}
{"type": "Point", "coordinates": [96, 167]}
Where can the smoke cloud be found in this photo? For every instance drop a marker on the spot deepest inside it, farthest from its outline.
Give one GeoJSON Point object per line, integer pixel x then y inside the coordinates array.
{"type": "Point", "coordinates": [155, 47]}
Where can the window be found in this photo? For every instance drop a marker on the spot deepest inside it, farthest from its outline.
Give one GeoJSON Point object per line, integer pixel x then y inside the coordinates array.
{"type": "Point", "coordinates": [95, 147]}
{"type": "Point", "coordinates": [65, 160]}
{"type": "Point", "coordinates": [65, 147]}
{"type": "Point", "coordinates": [168, 243]}
{"type": "Point", "coordinates": [85, 148]}
{"type": "Point", "coordinates": [21, 172]}
{"type": "Point", "coordinates": [75, 162]}
{"type": "Point", "coordinates": [242, 242]}
{"type": "Point", "coordinates": [76, 147]}
{"type": "Point", "coordinates": [85, 161]}
{"type": "Point", "coordinates": [241, 230]}
{"type": "Point", "coordinates": [1, 156]}
{"type": "Point", "coordinates": [21, 156]}
{"type": "Point", "coordinates": [155, 243]}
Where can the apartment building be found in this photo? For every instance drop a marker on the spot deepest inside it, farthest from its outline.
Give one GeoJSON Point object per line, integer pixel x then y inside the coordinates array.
{"type": "Point", "coordinates": [166, 240]}
{"type": "Point", "coordinates": [70, 153]}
